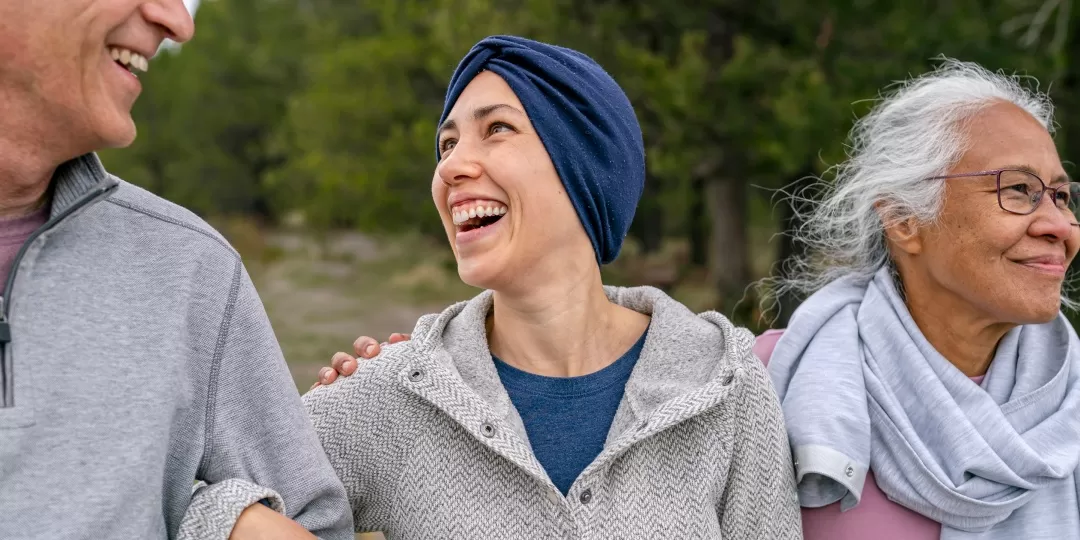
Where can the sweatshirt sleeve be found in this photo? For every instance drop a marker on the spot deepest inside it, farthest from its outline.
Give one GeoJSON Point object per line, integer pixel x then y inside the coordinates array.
{"type": "Point", "coordinates": [759, 498]}
{"type": "Point", "coordinates": [260, 444]}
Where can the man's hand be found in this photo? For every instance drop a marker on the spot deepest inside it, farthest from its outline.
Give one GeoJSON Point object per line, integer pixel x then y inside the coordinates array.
{"type": "Point", "coordinates": [343, 364]}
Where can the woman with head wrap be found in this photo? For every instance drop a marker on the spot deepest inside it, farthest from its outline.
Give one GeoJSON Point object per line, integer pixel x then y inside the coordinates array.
{"type": "Point", "coordinates": [551, 406]}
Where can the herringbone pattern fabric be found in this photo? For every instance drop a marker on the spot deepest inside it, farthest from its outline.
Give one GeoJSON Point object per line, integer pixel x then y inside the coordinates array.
{"type": "Point", "coordinates": [426, 451]}
{"type": "Point", "coordinates": [208, 519]}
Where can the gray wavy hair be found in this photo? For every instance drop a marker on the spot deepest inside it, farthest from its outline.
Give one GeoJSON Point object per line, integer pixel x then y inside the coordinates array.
{"type": "Point", "coordinates": [913, 133]}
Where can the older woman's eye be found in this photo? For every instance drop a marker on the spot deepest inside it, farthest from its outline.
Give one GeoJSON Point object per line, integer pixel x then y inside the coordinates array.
{"type": "Point", "coordinates": [447, 145]}
{"type": "Point", "coordinates": [1019, 188]}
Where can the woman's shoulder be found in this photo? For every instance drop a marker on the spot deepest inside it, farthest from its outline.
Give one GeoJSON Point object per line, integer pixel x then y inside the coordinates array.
{"type": "Point", "coordinates": [765, 343]}
{"type": "Point", "coordinates": [373, 384]}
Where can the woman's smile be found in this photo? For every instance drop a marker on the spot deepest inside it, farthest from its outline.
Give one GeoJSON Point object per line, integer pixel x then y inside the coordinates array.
{"type": "Point", "coordinates": [475, 218]}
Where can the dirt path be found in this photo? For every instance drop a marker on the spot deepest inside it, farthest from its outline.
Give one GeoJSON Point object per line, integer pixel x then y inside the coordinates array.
{"type": "Point", "coordinates": [320, 296]}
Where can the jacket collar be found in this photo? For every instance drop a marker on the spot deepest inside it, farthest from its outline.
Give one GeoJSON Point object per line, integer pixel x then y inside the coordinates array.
{"type": "Point", "coordinates": [74, 179]}
{"type": "Point", "coordinates": [684, 352]}
{"type": "Point", "coordinates": [686, 367]}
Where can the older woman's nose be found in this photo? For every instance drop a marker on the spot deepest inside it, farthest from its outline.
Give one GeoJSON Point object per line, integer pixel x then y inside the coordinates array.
{"type": "Point", "coordinates": [1051, 221]}
{"type": "Point", "coordinates": [460, 165]}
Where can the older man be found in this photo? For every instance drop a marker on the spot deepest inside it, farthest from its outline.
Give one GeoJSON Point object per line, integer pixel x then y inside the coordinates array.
{"type": "Point", "coordinates": [142, 315]}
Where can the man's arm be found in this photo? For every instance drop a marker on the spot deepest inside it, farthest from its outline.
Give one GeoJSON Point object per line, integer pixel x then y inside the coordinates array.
{"type": "Point", "coordinates": [259, 440]}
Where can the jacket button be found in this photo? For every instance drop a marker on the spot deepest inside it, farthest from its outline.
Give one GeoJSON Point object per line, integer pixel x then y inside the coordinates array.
{"type": "Point", "coordinates": [416, 375]}
{"type": "Point", "coordinates": [487, 429]}
{"type": "Point", "coordinates": [586, 496]}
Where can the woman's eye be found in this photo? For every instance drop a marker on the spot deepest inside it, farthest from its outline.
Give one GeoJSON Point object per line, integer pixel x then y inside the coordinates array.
{"type": "Point", "coordinates": [1020, 188]}
{"type": "Point", "coordinates": [498, 127]}
{"type": "Point", "coordinates": [447, 145]}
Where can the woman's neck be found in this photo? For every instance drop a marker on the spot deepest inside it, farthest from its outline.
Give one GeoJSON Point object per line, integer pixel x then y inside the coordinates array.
{"type": "Point", "coordinates": [968, 340]}
{"type": "Point", "coordinates": [562, 328]}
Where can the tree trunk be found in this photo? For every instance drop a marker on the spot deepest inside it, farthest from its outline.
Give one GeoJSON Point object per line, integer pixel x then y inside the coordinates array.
{"type": "Point", "coordinates": [698, 223]}
{"type": "Point", "coordinates": [648, 225]}
{"type": "Point", "coordinates": [729, 261]}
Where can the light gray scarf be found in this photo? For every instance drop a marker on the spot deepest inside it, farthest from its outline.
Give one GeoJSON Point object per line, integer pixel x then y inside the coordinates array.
{"type": "Point", "coordinates": [862, 388]}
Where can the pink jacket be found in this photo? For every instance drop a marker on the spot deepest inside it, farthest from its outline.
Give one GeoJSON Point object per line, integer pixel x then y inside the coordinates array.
{"type": "Point", "coordinates": [876, 517]}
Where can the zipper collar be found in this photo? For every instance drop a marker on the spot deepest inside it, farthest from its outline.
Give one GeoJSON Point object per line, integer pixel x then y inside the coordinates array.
{"type": "Point", "coordinates": [75, 185]}
{"type": "Point", "coordinates": [75, 179]}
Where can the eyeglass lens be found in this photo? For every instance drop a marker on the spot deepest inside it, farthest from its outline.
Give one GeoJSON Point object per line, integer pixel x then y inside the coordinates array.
{"type": "Point", "coordinates": [1020, 192]}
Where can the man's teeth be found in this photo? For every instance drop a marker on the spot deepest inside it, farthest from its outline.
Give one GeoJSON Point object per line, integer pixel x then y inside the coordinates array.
{"type": "Point", "coordinates": [131, 60]}
{"type": "Point", "coordinates": [463, 215]}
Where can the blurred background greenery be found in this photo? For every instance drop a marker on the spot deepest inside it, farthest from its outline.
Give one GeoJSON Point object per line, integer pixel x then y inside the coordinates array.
{"type": "Point", "coordinates": [304, 129]}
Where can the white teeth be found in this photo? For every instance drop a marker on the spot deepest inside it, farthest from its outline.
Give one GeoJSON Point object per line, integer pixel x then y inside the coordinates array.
{"type": "Point", "coordinates": [131, 60]}
{"type": "Point", "coordinates": [461, 216]}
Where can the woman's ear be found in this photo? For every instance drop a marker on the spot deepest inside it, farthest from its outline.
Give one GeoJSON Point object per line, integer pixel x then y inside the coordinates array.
{"type": "Point", "coordinates": [904, 234]}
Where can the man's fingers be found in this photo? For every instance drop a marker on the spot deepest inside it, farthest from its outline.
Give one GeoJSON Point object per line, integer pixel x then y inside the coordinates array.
{"type": "Point", "coordinates": [327, 375]}
{"type": "Point", "coordinates": [398, 338]}
{"type": "Point", "coordinates": [366, 347]}
{"type": "Point", "coordinates": [340, 360]}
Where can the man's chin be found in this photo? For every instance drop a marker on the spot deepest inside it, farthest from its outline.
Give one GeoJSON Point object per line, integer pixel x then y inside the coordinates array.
{"type": "Point", "coordinates": [119, 134]}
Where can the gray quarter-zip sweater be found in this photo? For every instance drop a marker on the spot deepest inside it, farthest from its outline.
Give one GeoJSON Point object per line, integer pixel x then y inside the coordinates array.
{"type": "Point", "coordinates": [428, 444]}
{"type": "Point", "coordinates": [136, 360]}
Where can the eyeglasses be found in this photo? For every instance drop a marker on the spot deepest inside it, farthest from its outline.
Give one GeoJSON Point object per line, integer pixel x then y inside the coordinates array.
{"type": "Point", "coordinates": [1020, 192]}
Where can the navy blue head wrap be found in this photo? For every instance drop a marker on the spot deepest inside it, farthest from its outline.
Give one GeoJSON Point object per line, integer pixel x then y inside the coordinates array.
{"type": "Point", "coordinates": [584, 120]}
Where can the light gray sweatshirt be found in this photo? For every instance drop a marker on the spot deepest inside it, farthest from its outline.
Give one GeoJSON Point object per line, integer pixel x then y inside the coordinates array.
{"type": "Point", "coordinates": [140, 360]}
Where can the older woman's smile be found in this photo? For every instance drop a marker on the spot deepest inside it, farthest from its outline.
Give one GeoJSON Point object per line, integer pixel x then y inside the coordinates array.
{"type": "Point", "coordinates": [1054, 265]}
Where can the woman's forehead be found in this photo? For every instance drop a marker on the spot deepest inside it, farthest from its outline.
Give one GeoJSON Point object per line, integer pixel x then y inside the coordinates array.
{"type": "Point", "coordinates": [1005, 136]}
{"type": "Point", "coordinates": [485, 90]}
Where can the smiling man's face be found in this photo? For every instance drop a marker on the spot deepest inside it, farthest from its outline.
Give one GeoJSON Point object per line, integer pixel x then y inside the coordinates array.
{"type": "Point", "coordinates": [69, 69]}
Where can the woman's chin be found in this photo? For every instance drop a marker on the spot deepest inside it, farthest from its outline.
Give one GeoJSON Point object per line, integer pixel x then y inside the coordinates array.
{"type": "Point", "coordinates": [479, 271]}
{"type": "Point", "coordinates": [1045, 311]}
{"type": "Point", "coordinates": [1033, 310]}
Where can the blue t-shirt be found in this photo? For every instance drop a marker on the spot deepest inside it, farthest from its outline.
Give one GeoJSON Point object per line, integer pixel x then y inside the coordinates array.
{"type": "Point", "coordinates": [567, 418]}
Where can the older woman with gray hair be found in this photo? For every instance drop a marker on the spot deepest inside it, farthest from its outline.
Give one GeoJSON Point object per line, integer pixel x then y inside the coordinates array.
{"type": "Point", "coordinates": [930, 384]}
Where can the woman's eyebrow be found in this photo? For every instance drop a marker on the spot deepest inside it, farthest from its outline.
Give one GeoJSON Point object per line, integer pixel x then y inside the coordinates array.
{"type": "Point", "coordinates": [480, 113]}
{"type": "Point", "coordinates": [1059, 179]}
{"type": "Point", "coordinates": [487, 110]}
